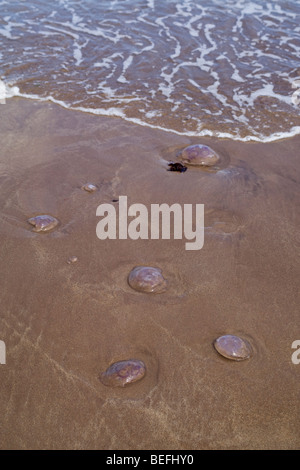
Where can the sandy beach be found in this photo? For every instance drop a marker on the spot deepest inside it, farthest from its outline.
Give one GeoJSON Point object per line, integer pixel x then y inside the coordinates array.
{"type": "Point", "coordinates": [63, 324]}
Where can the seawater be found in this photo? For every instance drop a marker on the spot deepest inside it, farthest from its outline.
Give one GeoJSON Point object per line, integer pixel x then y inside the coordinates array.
{"type": "Point", "coordinates": [228, 69]}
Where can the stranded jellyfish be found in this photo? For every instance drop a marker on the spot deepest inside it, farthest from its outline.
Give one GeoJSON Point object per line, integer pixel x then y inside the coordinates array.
{"type": "Point", "coordinates": [43, 223]}
{"type": "Point", "coordinates": [233, 347]}
{"type": "Point", "coordinates": [147, 279]}
{"type": "Point", "coordinates": [199, 155]}
{"type": "Point", "coordinates": [89, 187]}
{"type": "Point", "coordinates": [123, 373]}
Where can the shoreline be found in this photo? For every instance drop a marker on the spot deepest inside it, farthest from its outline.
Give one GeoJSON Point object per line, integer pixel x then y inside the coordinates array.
{"type": "Point", "coordinates": [63, 324]}
{"type": "Point", "coordinates": [14, 92]}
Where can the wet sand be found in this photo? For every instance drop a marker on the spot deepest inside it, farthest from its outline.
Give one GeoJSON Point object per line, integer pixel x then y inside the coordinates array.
{"type": "Point", "coordinates": [64, 324]}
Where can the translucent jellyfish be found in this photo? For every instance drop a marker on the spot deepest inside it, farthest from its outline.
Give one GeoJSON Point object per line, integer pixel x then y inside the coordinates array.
{"type": "Point", "coordinates": [199, 155]}
{"type": "Point", "coordinates": [123, 373]}
{"type": "Point", "coordinates": [43, 223]}
{"type": "Point", "coordinates": [89, 187]}
{"type": "Point", "coordinates": [233, 347]}
{"type": "Point", "coordinates": [147, 279]}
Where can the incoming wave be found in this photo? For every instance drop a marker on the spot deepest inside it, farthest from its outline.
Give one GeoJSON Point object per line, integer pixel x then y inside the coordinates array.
{"type": "Point", "coordinates": [176, 65]}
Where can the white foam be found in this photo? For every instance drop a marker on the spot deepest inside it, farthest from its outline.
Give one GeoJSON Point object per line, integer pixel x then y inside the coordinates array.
{"type": "Point", "coordinates": [2, 92]}
{"type": "Point", "coordinates": [251, 8]}
{"type": "Point", "coordinates": [295, 97]}
{"type": "Point", "coordinates": [177, 51]}
{"type": "Point", "coordinates": [76, 19]}
{"type": "Point", "coordinates": [152, 114]}
{"type": "Point", "coordinates": [116, 112]}
{"type": "Point", "coordinates": [126, 64]}
{"type": "Point", "coordinates": [114, 36]}
{"type": "Point", "coordinates": [7, 91]}
{"type": "Point", "coordinates": [6, 32]}
{"type": "Point", "coordinates": [247, 100]}
{"type": "Point", "coordinates": [236, 76]}
{"type": "Point", "coordinates": [63, 31]}
{"type": "Point", "coordinates": [77, 54]}
{"type": "Point", "coordinates": [189, 25]}
{"type": "Point", "coordinates": [296, 83]}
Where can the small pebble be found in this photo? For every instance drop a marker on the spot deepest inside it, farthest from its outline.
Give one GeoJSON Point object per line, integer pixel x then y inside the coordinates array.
{"type": "Point", "coordinates": [72, 259]}
{"type": "Point", "coordinates": [89, 187]}
{"type": "Point", "coordinates": [123, 373]}
{"type": "Point", "coordinates": [233, 347]}
{"type": "Point", "coordinates": [177, 167]}
{"type": "Point", "coordinates": [43, 223]}
{"type": "Point", "coordinates": [147, 279]}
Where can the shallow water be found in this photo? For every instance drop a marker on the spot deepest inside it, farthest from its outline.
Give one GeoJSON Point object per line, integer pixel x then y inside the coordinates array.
{"type": "Point", "coordinates": [196, 69]}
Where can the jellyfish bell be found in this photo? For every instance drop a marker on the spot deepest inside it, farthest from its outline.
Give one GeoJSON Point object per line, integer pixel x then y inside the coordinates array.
{"type": "Point", "coordinates": [43, 223]}
{"type": "Point", "coordinates": [89, 187]}
{"type": "Point", "coordinates": [233, 347]}
{"type": "Point", "coordinates": [199, 155]}
{"type": "Point", "coordinates": [122, 373]}
{"type": "Point", "coordinates": [147, 279]}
